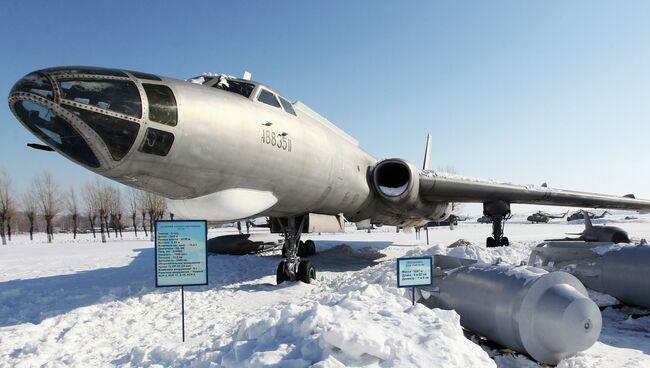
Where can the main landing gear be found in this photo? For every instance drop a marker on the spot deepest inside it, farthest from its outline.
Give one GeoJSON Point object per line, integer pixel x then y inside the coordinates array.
{"type": "Point", "coordinates": [499, 212]}
{"type": "Point", "coordinates": [293, 268]}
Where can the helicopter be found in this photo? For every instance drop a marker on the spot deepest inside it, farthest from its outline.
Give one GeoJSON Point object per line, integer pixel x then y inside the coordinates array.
{"type": "Point", "coordinates": [541, 216]}
{"type": "Point", "coordinates": [580, 215]}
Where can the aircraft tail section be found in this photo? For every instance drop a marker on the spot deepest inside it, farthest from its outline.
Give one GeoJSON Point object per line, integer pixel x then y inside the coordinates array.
{"type": "Point", "coordinates": [588, 224]}
{"type": "Point", "coordinates": [427, 154]}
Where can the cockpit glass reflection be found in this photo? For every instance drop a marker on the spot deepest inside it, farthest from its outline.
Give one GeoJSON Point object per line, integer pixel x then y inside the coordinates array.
{"type": "Point", "coordinates": [55, 131]}
{"type": "Point", "coordinates": [162, 104]}
{"type": "Point", "coordinates": [116, 95]}
{"type": "Point", "coordinates": [117, 134]}
{"type": "Point", "coordinates": [36, 83]}
{"type": "Point", "coordinates": [157, 142]}
{"type": "Point", "coordinates": [86, 70]}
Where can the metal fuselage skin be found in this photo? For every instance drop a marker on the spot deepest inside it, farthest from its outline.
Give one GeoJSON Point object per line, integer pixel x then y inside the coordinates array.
{"type": "Point", "coordinates": [227, 162]}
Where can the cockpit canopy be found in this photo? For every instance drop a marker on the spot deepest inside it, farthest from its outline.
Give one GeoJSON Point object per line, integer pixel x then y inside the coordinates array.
{"type": "Point", "coordinates": [245, 88]}
{"type": "Point", "coordinates": [94, 115]}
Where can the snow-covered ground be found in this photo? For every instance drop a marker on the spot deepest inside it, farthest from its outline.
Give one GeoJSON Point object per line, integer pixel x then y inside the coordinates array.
{"type": "Point", "coordinates": [87, 304]}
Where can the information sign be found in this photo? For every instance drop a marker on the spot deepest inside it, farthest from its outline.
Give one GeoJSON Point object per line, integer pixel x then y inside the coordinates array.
{"type": "Point", "coordinates": [414, 271]}
{"type": "Point", "coordinates": [181, 253]}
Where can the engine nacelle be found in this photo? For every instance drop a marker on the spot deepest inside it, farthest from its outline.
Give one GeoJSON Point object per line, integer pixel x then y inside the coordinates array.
{"type": "Point", "coordinates": [397, 183]}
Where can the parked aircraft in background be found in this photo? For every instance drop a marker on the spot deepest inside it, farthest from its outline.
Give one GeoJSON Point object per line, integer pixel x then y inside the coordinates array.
{"type": "Point", "coordinates": [578, 215]}
{"type": "Point", "coordinates": [592, 233]}
{"type": "Point", "coordinates": [225, 149]}
{"type": "Point", "coordinates": [541, 216]}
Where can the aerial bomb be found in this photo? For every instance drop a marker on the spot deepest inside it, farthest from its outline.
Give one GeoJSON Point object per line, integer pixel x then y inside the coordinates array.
{"type": "Point", "coordinates": [546, 315]}
{"type": "Point", "coordinates": [622, 271]}
{"type": "Point", "coordinates": [239, 244]}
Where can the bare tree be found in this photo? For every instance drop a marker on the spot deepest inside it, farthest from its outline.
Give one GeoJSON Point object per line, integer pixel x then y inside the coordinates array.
{"type": "Point", "coordinates": [90, 202]}
{"type": "Point", "coordinates": [156, 206]}
{"type": "Point", "coordinates": [30, 208]}
{"type": "Point", "coordinates": [6, 204]}
{"type": "Point", "coordinates": [101, 193]}
{"type": "Point", "coordinates": [72, 206]}
{"type": "Point", "coordinates": [133, 202]}
{"type": "Point", "coordinates": [142, 203]}
{"type": "Point", "coordinates": [47, 194]}
{"type": "Point", "coordinates": [115, 209]}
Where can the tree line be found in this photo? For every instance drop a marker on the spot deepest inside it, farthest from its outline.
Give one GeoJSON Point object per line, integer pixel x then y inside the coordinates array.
{"type": "Point", "coordinates": [99, 207]}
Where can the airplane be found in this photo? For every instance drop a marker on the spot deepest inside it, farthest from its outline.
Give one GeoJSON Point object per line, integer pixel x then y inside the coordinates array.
{"type": "Point", "coordinates": [224, 149]}
{"type": "Point", "coordinates": [580, 214]}
{"type": "Point", "coordinates": [541, 216]}
{"type": "Point", "coordinates": [592, 233]}
{"type": "Point", "coordinates": [451, 220]}
{"type": "Point", "coordinates": [485, 219]}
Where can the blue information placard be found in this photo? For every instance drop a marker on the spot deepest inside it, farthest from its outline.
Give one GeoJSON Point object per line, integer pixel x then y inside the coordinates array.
{"type": "Point", "coordinates": [181, 253]}
{"type": "Point", "coordinates": [414, 271]}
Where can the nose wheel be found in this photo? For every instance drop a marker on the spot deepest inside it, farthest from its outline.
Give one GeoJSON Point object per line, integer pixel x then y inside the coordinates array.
{"type": "Point", "coordinates": [292, 268]}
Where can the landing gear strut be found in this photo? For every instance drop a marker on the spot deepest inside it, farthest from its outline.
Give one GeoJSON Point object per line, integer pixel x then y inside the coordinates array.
{"type": "Point", "coordinates": [499, 212]}
{"type": "Point", "coordinates": [292, 268]}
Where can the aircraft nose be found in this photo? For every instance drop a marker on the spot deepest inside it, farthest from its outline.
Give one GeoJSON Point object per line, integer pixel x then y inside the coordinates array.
{"type": "Point", "coordinates": [34, 83]}
{"type": "Point", "coordinates": [90, 115]}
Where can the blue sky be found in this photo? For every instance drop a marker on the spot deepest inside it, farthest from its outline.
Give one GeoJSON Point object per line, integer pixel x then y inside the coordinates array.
{"type": "Point", "coordinates": [558, 91]}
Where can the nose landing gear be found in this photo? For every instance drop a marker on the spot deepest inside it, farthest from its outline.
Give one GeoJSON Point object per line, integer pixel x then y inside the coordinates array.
{"type": "Point", "coordinates": [293, 268]}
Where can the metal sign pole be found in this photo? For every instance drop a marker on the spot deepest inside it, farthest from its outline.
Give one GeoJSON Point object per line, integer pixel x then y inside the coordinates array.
{"type": "Point", "coordinates": [183, 311]}
{"type": "Point", "coordinates": [427, 228]}
{"type": "Point", "coordinates": [413, 295]}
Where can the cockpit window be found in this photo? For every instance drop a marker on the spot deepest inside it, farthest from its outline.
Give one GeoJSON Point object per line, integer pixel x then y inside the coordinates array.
{"type": "Point", "coordinates": [157, 142]}
{"type": "Point", "coordinates": [162, 104]}
{"type": "Point", "coordinates": [268, 98]}
{"type": "Point", "coordinates": [121, 96]}
{"type": "Point", "coordinates": [55, 131]}
{"type": "Point", "coordinates": [287, 106]}
{"type": "Point", "coordinates": [86, 70]}
{"type": "Point", "coordinates": [241, 88]}
{"type": "Point", "coordinates": [148, 76]}
{"type": "Point", "coordinates": [35, 83]}
{"type": "Point", "coordinates": [118, 134]}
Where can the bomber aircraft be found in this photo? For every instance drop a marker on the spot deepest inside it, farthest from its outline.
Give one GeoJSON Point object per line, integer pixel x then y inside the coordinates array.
{"type": "Point", "coordinates": [224, 149]}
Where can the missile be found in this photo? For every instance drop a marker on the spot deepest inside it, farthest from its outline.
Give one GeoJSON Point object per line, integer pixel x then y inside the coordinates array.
{"type": "Point", "coordinates": [622, 271]}
{"type": "Point", "coordinates": [547, 315]}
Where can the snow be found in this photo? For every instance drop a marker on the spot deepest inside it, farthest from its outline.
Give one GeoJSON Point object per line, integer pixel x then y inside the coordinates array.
{"type": "Point", "coordinates": [84, 303]}
{"type": "Point", "coordinates": [393, 191]}
{"type": "Point", "coordinates": [601, 250]}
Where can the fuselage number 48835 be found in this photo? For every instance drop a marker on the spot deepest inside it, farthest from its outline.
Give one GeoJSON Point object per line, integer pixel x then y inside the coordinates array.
{"type": "Point", "coordinates": [277, 140]}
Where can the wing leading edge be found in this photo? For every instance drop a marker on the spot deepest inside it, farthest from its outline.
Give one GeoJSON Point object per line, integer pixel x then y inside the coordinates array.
{"type": "Point", "coordinates": [439, 186]}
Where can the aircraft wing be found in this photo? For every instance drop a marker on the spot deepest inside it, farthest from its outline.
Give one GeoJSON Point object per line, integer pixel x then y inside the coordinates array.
{"type": "Point", "coordinates": [439, 186]}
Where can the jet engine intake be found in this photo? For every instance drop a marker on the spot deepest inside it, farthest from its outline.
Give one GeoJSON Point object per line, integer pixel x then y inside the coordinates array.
{"type": "Point", "coordinates": [397, 182]}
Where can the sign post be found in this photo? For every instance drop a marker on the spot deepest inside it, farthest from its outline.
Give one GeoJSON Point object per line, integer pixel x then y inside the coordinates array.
{"type": "Point", "coordinates": [413, 272]}
{"type": "Point", "coordinates": [181, 256]}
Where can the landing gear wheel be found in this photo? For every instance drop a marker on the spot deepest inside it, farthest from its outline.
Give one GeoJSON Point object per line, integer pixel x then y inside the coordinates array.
{"type": "Point", "coordinates": [505, 242]}
{"type": "Point", "coordinates": [280, 275]}
{"type": "Point", "coordinates": [302, 249]}
{"type": "Point", "coordinates": [306, 271]}
{"type": "Point", "coordinates": [310, 248]}
{"type": "Point", "coordinates": [490, 242]}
